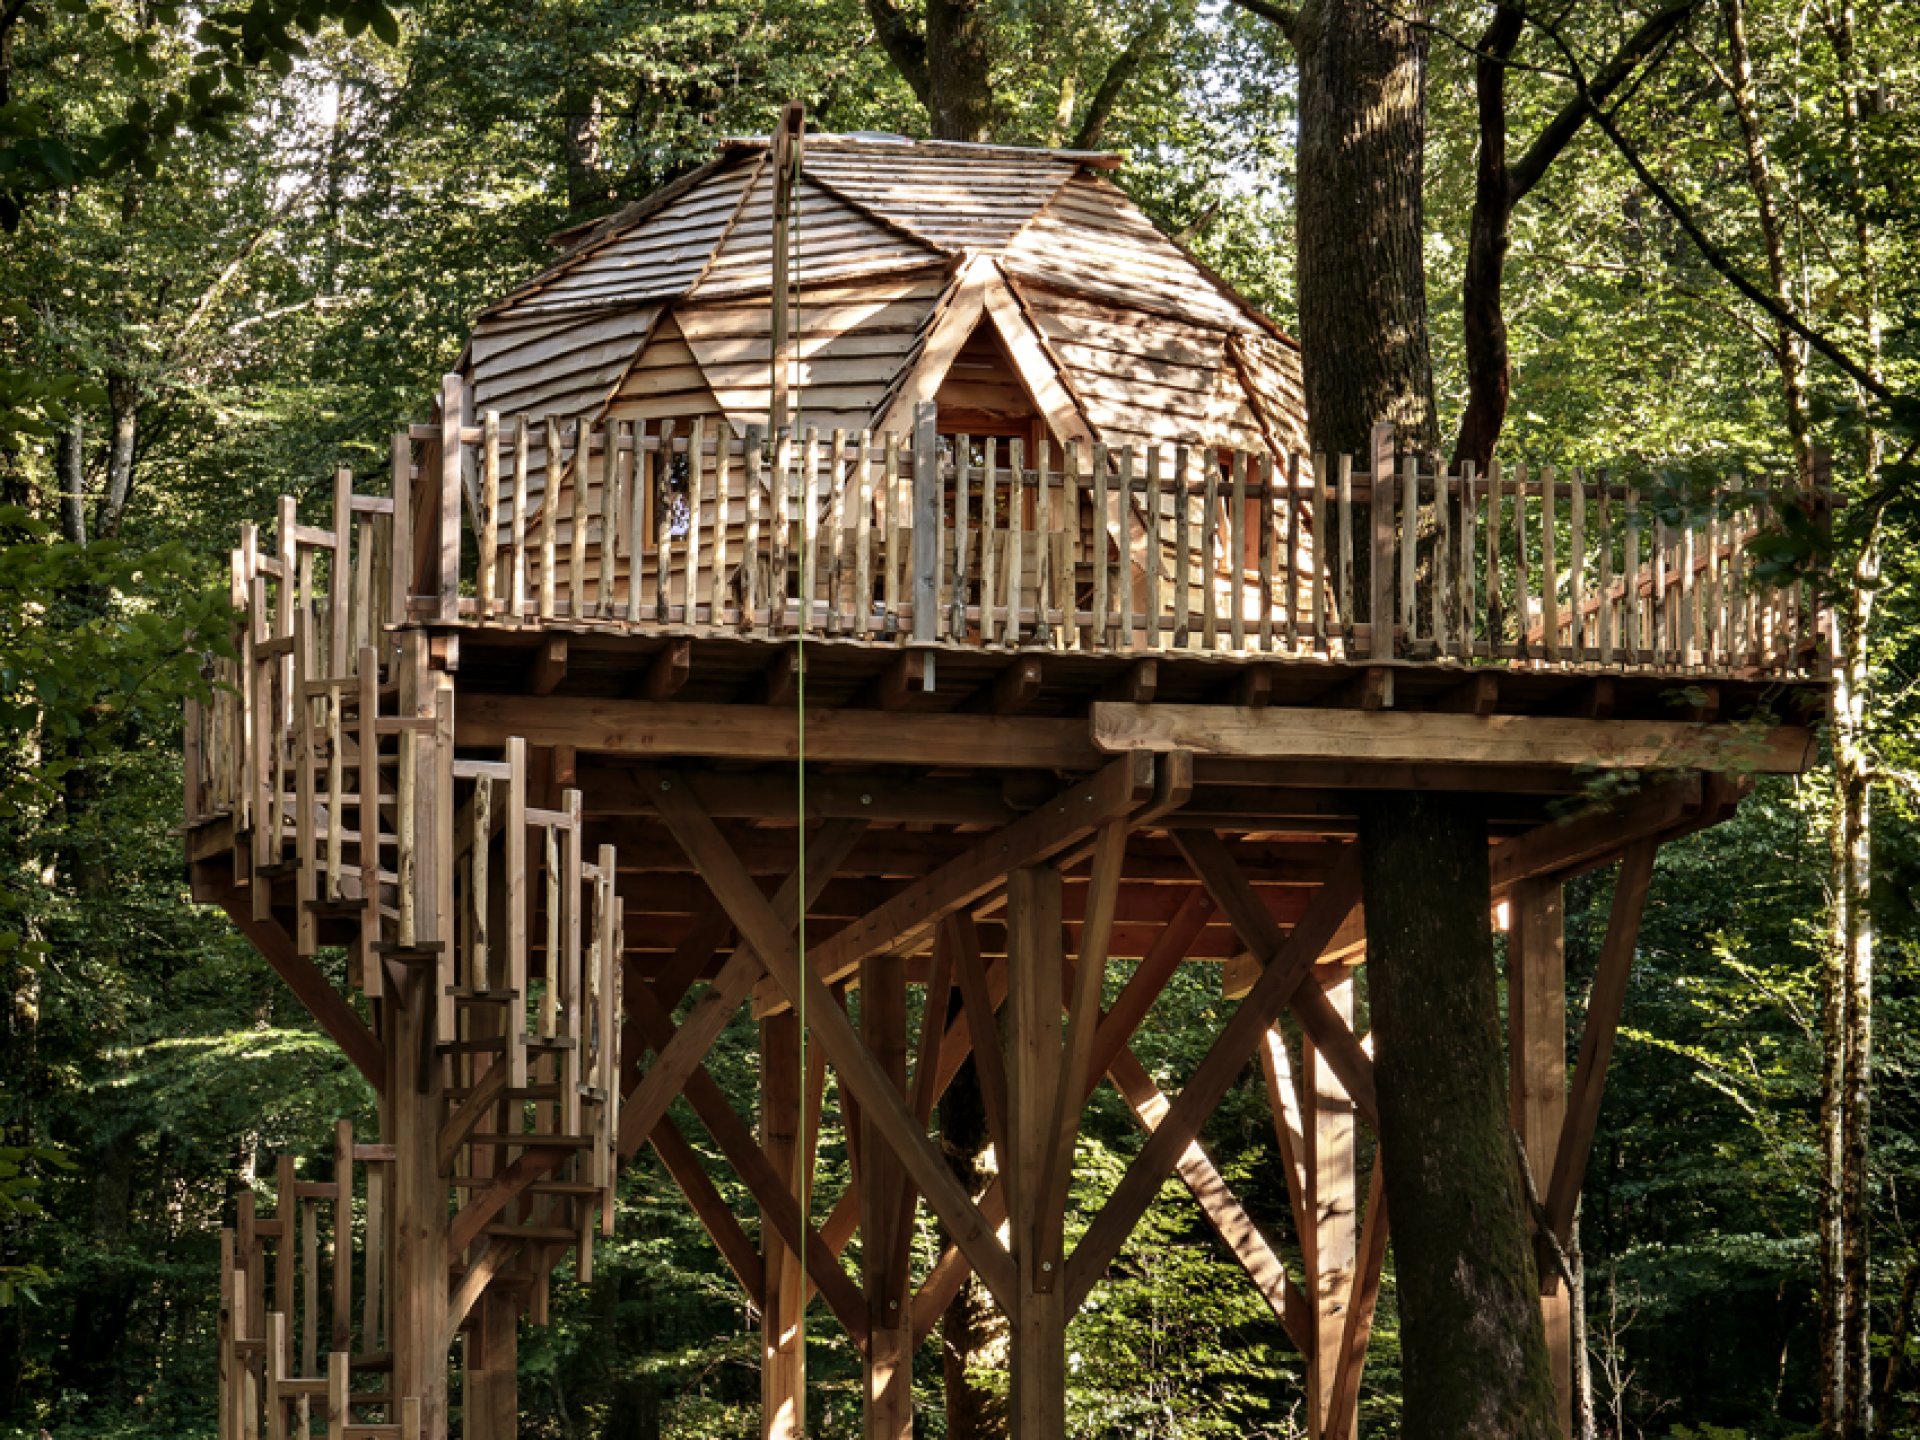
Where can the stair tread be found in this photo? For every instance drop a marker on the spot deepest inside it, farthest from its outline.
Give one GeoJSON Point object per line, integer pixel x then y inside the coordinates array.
{"type": "Point", "coordinates": [551, 1234]}
{"type": "Point", "coordinates": [556, 1142]}
{"type": "Point", "coordinates": [539, 1187]}
{"type": "Point", "coordinates": [418, 950]}
{"type": "Point", "coordinates": [493, 1043]}
{"type": "Point", "coordinates": [524, 1092]}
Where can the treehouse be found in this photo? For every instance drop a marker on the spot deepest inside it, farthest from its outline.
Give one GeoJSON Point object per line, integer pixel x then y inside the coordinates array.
{"type": "Point", "coordinates": [945, 452]}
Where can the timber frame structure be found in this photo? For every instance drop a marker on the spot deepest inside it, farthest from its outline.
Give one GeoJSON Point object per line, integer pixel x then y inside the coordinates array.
{"type": "Point", "coordinates": [529, 786]}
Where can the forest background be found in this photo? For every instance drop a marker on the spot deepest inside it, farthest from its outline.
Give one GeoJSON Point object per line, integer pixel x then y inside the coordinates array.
{"type": "Point", "coordinates": [242, 241]}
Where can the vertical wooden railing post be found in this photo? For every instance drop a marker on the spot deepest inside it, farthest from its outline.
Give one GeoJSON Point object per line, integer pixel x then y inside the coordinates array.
{"type": "Point", "coordinates": [1380, 510]}
{"type": "Point", "coordinates": [453, 419]}
{"type": "Point", "coordinates": [926, 522]}
{"type": "Point", "coordinates": [414, 1093]}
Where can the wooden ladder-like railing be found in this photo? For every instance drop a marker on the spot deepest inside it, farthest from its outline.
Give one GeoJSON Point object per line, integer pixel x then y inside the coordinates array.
{"type": "Point", "coordinates": [330, 748]}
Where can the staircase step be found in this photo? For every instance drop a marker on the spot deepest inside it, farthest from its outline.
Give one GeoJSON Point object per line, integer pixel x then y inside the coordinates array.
{"type": "Point", "coordinates": [371, 1432]}
{"type": "Point", "coordinates": [546, 1234]}
{"type": "Point", "coordinates": [420, 952]}
{"type": "Point", "coordinates": [540, 1142]}
{"type": "Point", "coordinates": [524, 1092]}
{"type": "Point", "coordinates": [497, 1044]}
{"type": "Point", "coordinates": [539, 1187]}
{"type": "Point", "coordinates": [483, 997]}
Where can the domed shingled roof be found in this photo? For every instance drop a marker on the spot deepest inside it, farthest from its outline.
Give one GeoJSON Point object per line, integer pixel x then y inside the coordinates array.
{"type": "Point", "coordinates": [912, 261]}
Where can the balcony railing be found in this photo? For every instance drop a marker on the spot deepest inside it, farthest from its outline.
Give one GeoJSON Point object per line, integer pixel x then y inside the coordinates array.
{"type": "Point", "coordinates": [943, 539]}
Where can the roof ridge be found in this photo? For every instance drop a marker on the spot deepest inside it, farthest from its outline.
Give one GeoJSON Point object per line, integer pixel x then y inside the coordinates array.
{"type": "Point", "coordinates": [877, 140]}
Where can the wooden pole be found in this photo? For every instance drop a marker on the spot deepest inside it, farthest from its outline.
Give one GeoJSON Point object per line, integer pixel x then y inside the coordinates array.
{"type": "Point", "coordinates": [491, 1402]}
{"type": "Point", "coordinates": [783, 1351]}
{"type": "Point", "coordinates": [1332, 1198]}
{"type": "Point", "coordinates": [1034, 965]}
{"type": "Point", "coordinates": [453, 417]}
{"type": "Point", "coordinates": [926, 533]}
{"type": "Point", "coordinates": [415, 1102]}
{"type": "Point", "coordinates": [888, 1392]}
{"type": "Point", "coordinates": [1380, 557]}
{"type": "Point", "coordinates": [787, 138]}
{"type": "Point", "coordinates": [1537, 1071]}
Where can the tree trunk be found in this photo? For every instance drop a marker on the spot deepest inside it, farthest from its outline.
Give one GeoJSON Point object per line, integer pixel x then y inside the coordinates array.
{"type": "Point", "coordinates": [1847, 1294]}
{"type": "Point", "coordinates": [1482, 308]}
{"type": "Point", "coordinates": [972, 1325]}
{"type": "Point", "coordinates": [960, 102]}
{"type": "Point", "coordinates": [1473, 1348]}
{"type": "Point", "coordinates": [72, 465]}
{"type": "Point", "coordinates": [1788, 358]}
{"type": "Point", "coordinates": [1499, 186]}
{"type": "Point", "coordinates": [1362, 279]}
{"type": "Point", "coordinates": [103, 1306]}
{"type": "Point", "coordinates": [587, 187]}
{"type": "Point", "coordinates": [123, 407]}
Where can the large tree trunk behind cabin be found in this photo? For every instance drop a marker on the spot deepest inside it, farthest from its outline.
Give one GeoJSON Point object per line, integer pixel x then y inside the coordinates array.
{"type": "Point", "coordinates": [961, 99]}
{"type": "Point", "coordinates": [1474, 1354]}
{"type": "Point", "coordinates": [1362, 278]}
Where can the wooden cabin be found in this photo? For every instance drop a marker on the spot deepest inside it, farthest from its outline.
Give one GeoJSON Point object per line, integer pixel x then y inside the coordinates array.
{"type": "Point", "coordinates": [513, 806]}
{"type": "Point", "coordinates": [1019, 291]}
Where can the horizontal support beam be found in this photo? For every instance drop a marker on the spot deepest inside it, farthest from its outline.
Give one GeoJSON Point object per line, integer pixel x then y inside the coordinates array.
{"type": "Point", "coordinates": [669, 731]}
{"type": "Point", "coordinates": [1399, 737]}
{"type": "Point", "coordinates": [1116, 792]}
{"type": "Point", "coordinates": [612, 788]}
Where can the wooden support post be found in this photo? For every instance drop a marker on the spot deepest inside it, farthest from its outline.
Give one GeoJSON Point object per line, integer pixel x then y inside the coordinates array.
{"type": "Point", "coordinates": [783, 1351]}
{"type": "Point", "coordinates": [1537, 1060]}
{"type": "Point", "coordinates": [414, 1099]}
{"type": "Point", "coordinates": [453, 417]}
{"type": "Point", "coordinates": [926, 529]}
{"type": "Point", "coordinates": [491, 1404]}
{"type": "Point", "coordinates": [1332, 1203]}
{"type": "Point", "coordinates": [1038, 1409]}
{"type": "Point", "coordinates": [888, 1392]}
{"type": "Point", "coordinates": [1380, 557]}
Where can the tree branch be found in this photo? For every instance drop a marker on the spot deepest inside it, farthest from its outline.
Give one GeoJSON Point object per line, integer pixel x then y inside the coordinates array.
{"type": "Point", "coordinates": [1286, 21]}
{"type": "Point", "coordinates": [1125, 64]}
{"type": "Point", "coordinates": [1559, 131]}
{"type": "Point", "coordinates": [905, 47]}
{"type": "Point", "coordinates": [1734, 276]}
